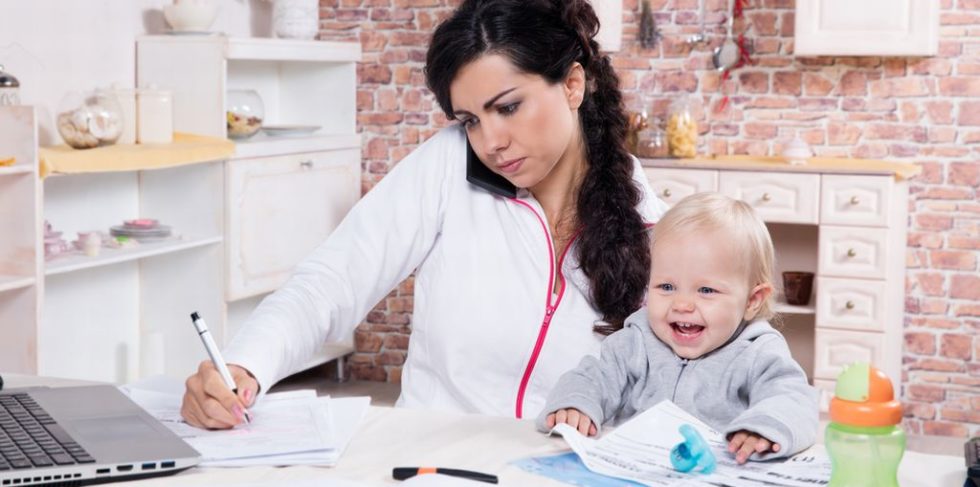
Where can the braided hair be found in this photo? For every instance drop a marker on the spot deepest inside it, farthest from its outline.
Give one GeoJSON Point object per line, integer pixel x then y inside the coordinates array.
{"type": "Point", "coordinates": [546, 38]}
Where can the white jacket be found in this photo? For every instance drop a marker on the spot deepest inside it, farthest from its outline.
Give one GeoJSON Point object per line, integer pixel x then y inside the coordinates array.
{"type": "Point", "coordinates": [488, 336]}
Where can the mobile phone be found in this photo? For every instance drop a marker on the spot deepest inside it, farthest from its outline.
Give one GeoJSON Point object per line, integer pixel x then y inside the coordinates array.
{"type": "Point", "coordinates": [479, 174]}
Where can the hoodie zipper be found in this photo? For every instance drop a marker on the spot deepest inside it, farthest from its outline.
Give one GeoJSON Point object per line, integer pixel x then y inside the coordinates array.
{"type": "Point", "coordinates": [673, 395]}
{"type": "Point", "coordinates": [552, 300]}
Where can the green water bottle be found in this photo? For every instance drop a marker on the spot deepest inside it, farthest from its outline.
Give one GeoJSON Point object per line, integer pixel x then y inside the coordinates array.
{"type": "Point", "coordinates": [864, 439]}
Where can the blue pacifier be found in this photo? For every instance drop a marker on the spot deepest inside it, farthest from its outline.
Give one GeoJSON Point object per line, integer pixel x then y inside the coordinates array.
{"type": "Point", "coordinates": [692, 453]}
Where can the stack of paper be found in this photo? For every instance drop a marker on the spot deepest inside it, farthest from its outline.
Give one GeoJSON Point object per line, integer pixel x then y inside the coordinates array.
{"type": "Point", "coordinates": [289, 428]}
{"type": "Point", "coordinates": [639, 450]}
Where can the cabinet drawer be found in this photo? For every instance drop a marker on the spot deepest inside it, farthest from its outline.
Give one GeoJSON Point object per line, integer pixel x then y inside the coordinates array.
{"type": "Point", "coordinates": [853, 252]}
{"type": "Point", "coordinates": [672, 185]}
{"type": "Point", "coordinates": [777, 197]}
{"type": "Point", "coordinates": [835, 349]}
{"type": "Point", "coordinates": [855, 200]}
{"type": "Point", "coordinates": [279, 209]}
{"type": "Point", "coordinates": [851, 304]}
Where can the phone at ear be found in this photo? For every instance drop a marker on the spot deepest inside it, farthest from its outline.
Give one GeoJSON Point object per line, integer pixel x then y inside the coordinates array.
{"type": "Point", "coordinates": [479, 174]}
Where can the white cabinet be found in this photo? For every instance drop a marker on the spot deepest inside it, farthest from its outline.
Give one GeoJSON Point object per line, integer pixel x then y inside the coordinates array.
{"type": "Point", "coordinates": [284, 194]}
{"type": "Point", "coordinates": [867, 28]}
{"type": "Point", "coordinates": [844, 221]}
{"type": "Point", "coordinates": [280, 209]}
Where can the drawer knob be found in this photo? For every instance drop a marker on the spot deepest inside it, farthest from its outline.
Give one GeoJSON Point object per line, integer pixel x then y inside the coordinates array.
{"type": "Point", "coordinates": [849, 305]}
{"type": "Point", "coordinates": [666, 193]}
{"type": "Point", "coordinates": [855, 200]}
{"type": "Point", "coordinates": [851, 252]}
{"type": "Point", "coordinates": [766, 197]}
{"type": "Point", "coordinates": [306, 164]}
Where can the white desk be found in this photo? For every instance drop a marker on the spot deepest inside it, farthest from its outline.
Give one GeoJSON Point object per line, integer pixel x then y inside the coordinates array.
{"type": "Point", "coordinates": [391, 437]}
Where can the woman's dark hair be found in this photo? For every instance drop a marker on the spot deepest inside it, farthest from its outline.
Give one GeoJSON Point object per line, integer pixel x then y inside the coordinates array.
{"type": "Point", "coordinates": [546, 38]}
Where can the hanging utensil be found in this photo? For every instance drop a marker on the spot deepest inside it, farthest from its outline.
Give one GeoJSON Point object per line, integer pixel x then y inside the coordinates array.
{"type": "Point", "coordinates": [700, 37]}
{"type": "Point", "coordinates": [727, 54]}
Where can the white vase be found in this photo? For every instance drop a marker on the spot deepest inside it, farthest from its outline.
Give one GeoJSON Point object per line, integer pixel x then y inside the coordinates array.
{"type": "Point", "coordinates": [296, 19]}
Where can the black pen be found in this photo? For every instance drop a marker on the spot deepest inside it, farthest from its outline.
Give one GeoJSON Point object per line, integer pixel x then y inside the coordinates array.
{"type": "Point", "coordinates": [402, 473]}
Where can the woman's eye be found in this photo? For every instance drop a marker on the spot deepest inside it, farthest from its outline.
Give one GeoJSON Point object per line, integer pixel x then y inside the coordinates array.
{"type": "Point", "coordinates": [468, 122]}
{"type": "Point", "coordinates": [666, 287]}
{"type": "Point", "coordinates": [706, 290]}
{"type": "Point", "coordinates": [509, 108]}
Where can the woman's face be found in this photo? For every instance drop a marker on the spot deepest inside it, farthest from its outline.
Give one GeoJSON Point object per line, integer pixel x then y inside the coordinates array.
{"type": "Point", "coordinates": [520, 126]}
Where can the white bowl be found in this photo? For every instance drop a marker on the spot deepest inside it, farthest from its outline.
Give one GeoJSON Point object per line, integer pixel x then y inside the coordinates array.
{"type": "Point", "coordinates": [190, 17]}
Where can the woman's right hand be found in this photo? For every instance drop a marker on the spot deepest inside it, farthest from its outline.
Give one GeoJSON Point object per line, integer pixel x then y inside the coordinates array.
{"type": "Point", "coordinates": [208, 403]}
{"type": "Point", "coordinates": [574, 418]}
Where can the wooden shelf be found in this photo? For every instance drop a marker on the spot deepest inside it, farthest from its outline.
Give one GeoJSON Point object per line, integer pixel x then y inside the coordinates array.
{"type": "Point", "coordinates": [790, 309]}
{"type": "Point", "coordinates": [185, 149]}
{"type": "Point", "coordinates": [15, 169]}
{"type": "Point", "coordinates": [9, 283]}
{"type": "Point", "coordinates": [61, 265]}
{"type": "Point", "coordinates": [261, 145]}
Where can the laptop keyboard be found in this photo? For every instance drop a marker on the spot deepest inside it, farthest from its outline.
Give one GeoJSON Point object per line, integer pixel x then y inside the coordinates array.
{"type": "Point", "coordinates": [30, 438]}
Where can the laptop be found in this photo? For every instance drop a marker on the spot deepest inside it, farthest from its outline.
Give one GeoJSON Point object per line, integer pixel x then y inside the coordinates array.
{"type": "Point", "coordinates": [83, 435]}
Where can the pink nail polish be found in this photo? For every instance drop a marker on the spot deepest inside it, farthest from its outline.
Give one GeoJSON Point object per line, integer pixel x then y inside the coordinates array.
{"type": "Point", "coordinates": [248, 395]}
{"type": "Point", "coordinates": [237, 411]}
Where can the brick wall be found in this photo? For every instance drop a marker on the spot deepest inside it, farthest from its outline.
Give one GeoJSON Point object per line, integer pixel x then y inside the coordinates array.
{"type": "Point", "coordinates": [922, 110]}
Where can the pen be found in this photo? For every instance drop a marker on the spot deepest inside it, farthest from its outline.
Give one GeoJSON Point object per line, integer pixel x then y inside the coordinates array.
{"type": "Point", "coordinates": [402, 473]}
{"type": "Point", "coordinates": [212, 349]}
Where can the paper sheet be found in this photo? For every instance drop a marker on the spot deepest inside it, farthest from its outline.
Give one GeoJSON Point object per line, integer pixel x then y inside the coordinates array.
{"type": "Point", "coordinates": [639, 450]}
{"type": "Point", "coordinates": [290, 428]}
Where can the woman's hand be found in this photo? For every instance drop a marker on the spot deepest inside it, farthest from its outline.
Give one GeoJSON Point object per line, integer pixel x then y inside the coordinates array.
{"type": "Point", "coordinates": [209, 404]}
{"type": "Point", "coordinates": [574, 418]}
{"type": "Point", "coordinates": [744, 443]}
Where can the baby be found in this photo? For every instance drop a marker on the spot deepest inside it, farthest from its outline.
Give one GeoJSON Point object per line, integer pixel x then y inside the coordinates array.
{"type": "Point", "coordinates": [702, 340]}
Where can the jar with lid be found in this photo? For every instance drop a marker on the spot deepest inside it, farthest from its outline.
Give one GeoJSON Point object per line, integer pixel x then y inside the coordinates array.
{"type": "Point", "coordinates": [87, 120]}
{"type": "Point", "coordinates": [651, 142]}
{"type": "Point", "coordinates": [9, 89]}
{"type": "Point", "coordinates": [244, 112]}
{"type": "Point", "coordinates": [682, 128]}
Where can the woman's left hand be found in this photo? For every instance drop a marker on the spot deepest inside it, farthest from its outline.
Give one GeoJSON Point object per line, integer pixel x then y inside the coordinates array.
{"type": "Point", "coordinates": [744, 443]}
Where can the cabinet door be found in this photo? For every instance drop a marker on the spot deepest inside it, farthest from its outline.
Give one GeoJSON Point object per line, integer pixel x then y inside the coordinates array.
{"type": "Point", "coordinates": [867, 27]}
{"type": "Point", "coordinates": [855, 200]}
{"type": "Point", "coordinates": [835, 349]}
{"type": "Point", "coordinates": [778, 197]}
{"type": "Point", "coordinates": [672, 185]}
{"type": "Point", "coordinates": [279, 210]}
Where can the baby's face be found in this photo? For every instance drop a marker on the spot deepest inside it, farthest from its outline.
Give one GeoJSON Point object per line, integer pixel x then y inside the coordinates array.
{"type": "Point", "coordinates": [698, 292]}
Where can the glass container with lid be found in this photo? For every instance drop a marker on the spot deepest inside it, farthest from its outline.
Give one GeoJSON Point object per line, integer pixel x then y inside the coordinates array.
{"type": "Point", "coordinates": [9, 89]}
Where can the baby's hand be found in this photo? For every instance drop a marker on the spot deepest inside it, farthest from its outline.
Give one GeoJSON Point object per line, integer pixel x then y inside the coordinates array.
{"type": "Point", "coordinates": [744, 443]}
{"type": "Point", "coordinates": [574, 418]}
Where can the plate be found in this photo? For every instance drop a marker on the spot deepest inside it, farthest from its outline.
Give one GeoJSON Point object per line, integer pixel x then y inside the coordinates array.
{"type": "Point", "coordinates": [191, 33]}
{"type": "Point", "coordinates": [289, 129]}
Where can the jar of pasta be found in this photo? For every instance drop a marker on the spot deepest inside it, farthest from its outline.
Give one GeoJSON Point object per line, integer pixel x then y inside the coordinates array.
{"type": "Point", "coordinates": [682, 129]}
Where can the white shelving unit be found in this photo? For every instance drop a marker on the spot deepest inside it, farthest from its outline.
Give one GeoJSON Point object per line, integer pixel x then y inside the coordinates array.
{"type": "Point", "coordinates": [283, 195]}
{"type": "Point", "coordinates": [241, 224]}
{"type": "Point", "coordinates": [20, 239]}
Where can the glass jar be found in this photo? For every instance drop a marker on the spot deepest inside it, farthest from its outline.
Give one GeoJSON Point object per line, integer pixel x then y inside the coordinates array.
{"type": "Point", "coordinates": [244, 112]}
{"type": "Point", "coordinates": [87, 120]}
{"type": "Point", "coordinates": [682, 129]}
{"type": "Point", "coordinates": [652, 143]}
{"type": "Point", "coordinates": [9, 89]}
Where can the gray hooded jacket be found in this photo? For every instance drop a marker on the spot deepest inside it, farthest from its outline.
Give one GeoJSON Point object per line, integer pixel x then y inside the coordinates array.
{"type": "Point", "coordinates": [751, 383]}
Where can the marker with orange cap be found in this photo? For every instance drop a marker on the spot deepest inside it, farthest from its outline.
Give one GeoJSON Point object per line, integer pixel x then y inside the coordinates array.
{"type": "Point", "coordinates": [864, 438]}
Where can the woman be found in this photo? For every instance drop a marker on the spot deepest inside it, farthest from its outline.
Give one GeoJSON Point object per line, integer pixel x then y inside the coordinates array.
{"type": "Point", "coordinates": [525, 224]}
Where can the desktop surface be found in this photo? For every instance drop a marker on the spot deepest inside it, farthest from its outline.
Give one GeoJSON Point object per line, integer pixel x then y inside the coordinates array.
{"type": "Point", "coordinates": [393, 437]}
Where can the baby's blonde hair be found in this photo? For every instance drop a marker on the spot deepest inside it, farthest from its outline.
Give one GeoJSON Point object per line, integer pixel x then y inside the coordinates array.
{"type": "Point", "coordinates": [742, 227]}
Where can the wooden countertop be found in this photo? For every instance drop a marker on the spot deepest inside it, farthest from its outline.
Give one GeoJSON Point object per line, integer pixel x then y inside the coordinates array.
{"type": "Point", "coordinates": [822, 165]}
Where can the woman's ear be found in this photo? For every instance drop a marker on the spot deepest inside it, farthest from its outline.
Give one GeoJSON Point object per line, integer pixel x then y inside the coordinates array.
{"type": "Point", "coordinates": [574, 86]}
{"type": "Point", "coordinates": [757, 296]}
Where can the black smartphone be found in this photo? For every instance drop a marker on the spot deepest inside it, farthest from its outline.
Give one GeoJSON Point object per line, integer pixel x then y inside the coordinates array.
{"type": "Point", "coordinates": [479, 174]}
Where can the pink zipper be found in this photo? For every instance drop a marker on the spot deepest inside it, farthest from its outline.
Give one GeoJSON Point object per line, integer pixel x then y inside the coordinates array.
{"type": "Point", "coordinates": [549, 308]}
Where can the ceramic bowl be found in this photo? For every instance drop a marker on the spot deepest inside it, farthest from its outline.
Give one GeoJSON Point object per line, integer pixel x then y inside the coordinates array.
{"type": "Point", "coordinates": [190, 16]}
